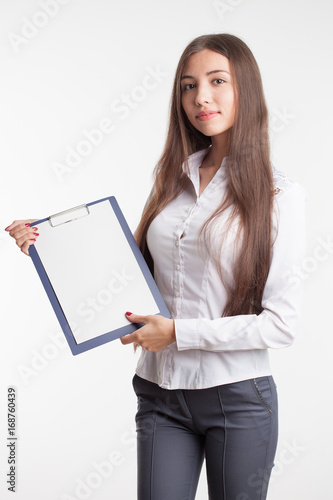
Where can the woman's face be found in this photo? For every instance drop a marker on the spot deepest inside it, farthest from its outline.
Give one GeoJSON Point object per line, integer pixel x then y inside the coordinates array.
{"type": "Point", "coordinates": [207, 92]}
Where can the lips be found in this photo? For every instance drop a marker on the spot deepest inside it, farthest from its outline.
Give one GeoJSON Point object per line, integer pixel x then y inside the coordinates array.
{"type": "Point", "coordinates": [206, 115]}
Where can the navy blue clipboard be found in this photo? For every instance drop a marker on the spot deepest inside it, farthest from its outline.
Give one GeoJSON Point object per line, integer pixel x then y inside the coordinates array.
{"type": "Point", "coordinates": [60, 220]}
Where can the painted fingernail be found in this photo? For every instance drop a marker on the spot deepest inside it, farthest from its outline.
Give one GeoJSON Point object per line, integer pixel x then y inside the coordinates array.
{"type": "Point", "coordinates": [129, 314]}
{"type": "Point", "coordinates": [27, 225]}
{"type": "Point", "coordinates": [36, 234]}
{"type": "Point", "coordinates": [7, 227]}
{"type": "Point", "coordinates": [34, 228]}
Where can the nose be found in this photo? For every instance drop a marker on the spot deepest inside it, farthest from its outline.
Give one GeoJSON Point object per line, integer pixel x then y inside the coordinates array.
{"type": "Point", "coordinates": [203, 95]}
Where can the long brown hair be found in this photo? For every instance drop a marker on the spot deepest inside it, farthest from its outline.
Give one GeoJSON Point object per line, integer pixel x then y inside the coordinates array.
{"type": "Point", "coordinates": [250, 184]}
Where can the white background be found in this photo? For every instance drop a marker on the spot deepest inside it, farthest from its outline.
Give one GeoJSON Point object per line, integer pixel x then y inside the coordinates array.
{"type": "Point", "coordinates": [76, 414]}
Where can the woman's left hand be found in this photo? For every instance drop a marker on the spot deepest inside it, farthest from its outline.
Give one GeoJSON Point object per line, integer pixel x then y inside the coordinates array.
{"type": "Point", "coordinates": [157, 333]}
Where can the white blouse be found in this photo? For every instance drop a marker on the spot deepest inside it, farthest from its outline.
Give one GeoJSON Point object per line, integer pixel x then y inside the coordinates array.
{"type": "Point", "coordinates": [211, 350]}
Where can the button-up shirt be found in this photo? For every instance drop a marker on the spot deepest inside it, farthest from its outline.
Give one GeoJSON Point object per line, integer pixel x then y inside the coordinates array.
{"type": "Point", "coordinates": [212, 350]}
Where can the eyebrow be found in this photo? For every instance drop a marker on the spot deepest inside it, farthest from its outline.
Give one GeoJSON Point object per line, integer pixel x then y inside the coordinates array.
{"type": "Point", "coordinates": [209, 73]}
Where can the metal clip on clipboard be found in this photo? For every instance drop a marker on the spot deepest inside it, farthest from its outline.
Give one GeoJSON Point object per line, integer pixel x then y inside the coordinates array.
{"type": "Point", "coordinates": [69, 215]}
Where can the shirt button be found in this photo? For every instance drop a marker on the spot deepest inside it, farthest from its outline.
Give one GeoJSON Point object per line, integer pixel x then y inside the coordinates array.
{"type": "Point", "coordinates": [177, 243]}
{"type": "Point", "coordinates": [177, 294]}
{"type": "Point", "coordinates": [178, 267]}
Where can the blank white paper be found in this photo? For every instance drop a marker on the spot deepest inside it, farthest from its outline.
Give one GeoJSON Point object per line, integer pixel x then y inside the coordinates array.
{"type": "Point", "coordinates": [94, 273]}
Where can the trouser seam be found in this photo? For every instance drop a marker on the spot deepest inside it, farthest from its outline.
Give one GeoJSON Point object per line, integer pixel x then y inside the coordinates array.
{"type": "Point", "coordinates": [264, 479]}
{"type": "Point", "coordinates": [151, 458]}
{"type": "Point", "coordinates": [224, 446]}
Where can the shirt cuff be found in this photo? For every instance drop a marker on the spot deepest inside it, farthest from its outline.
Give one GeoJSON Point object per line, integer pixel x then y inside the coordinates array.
{"type": "Point", "coordinates": [187, 336]}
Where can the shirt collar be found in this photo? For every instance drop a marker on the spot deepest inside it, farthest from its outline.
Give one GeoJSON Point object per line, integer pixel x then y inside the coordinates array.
{"type": "Point", "coordinates": [195, 161]}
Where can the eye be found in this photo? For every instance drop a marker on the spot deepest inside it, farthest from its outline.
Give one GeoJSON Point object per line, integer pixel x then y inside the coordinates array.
{"type": "Point", "coordinates": [218, 81]}
{"type": "Point", "coordinates": [188, 86]}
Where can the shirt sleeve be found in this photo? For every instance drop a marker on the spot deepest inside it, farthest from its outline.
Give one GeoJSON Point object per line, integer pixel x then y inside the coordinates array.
{"type": "Point", "coordinates": [276, 326]}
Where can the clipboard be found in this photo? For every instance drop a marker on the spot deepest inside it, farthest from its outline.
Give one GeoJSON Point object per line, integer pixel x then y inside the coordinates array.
{"type": "Point", "coordinates": [93, 272]}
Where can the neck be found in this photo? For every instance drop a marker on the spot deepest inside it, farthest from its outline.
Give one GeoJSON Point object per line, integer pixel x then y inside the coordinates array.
{"type": "Point", "coordinates": [219, 149]}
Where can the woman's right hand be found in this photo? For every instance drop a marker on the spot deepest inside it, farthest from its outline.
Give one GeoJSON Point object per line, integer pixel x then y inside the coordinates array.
{"type": "Point", "coordinates": [24, 233]}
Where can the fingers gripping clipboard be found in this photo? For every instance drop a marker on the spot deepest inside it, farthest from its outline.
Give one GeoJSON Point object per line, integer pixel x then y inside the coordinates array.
{"type": "Point", "coordinates": [93, 272]}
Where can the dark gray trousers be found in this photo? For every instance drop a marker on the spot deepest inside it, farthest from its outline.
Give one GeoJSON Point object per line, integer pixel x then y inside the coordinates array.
{"type": "Point", "coordinates": [233, 426]}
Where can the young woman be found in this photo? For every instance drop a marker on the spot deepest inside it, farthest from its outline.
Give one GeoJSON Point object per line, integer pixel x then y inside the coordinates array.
{"type": "Point", "coordinates": [223, 232]}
